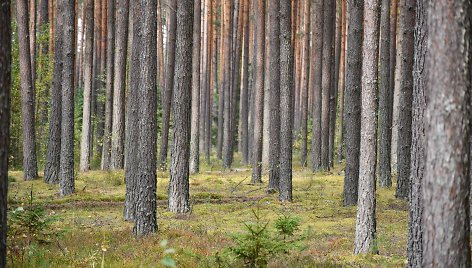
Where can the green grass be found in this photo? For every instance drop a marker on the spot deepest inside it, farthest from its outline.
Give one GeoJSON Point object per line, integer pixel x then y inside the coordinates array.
{"type": "Point", "coordinates": [91, 220]}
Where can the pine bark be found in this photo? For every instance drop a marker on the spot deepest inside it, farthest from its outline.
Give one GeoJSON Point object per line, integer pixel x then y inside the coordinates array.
{"type": "Point", "coordinates": [342, 78]}
{"type": "Point", "coordinates": [286, 84]}
{"type": "Point", "coordinates": [5, 89]}
{"type": "Point", "coordinates": [365, 240]}
{"type": "Point", "coordinates": [244, 115]}
{"type": "Point", "coordinates": [119, 85]}
{"type": "Point", "coordinates": [226, 73]}
{"type": "Point", "coordinates": [353, 101]}
{"type": "Point", "coordinates": [446, 233]}
{"type": "Point", "coordinates": [304, 86]}
{"type": "Point", "coordinates": [333, 99]}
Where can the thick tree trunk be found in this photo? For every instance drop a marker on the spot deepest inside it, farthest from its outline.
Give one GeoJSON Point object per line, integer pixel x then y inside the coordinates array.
{"type": "Point", "coordinates": [353, 101]}
{"type": "Point", "coordinates": [317, 22]}
{"type": "Point", "coordinates": [119, 85]}
{"type": "Point", "coordinates": [407, 24]}
{"type": "Point", "coordinates": [5, 89]}
{"type": "Point", "coordinates": [286, 84]}
{"type": "Point", "coordinates": [258, 91]}
{"type": "Point", "coordinates": [365, 240]}
{"type": "Point", "coordinates": [446, 223]}
{"type": "Point", "coordinates": [385, 99]}
{"type": "Point", "coordinates": [27, 94]}
{"type": "Point", "coordinates": [169, 85]}
{"type": "Point", "coordinates": [53, 149]}
{"type": "Point", "coordinates": [110, 51]}
{"type": "Point", "coordinates": [418, 159]}
{"type": "Point", "coordinates": [85, 144]}
{"type": "Point", "coordinates": [67, 184]}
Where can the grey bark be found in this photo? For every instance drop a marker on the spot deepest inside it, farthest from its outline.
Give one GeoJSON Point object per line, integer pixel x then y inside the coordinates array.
{"type": "Point", "coordinates": [67, 183]}
{"type": "Point", "coordinates": [446, 223]}
{"type": "Point", "coordinates": [385, 99]}
{"type": "Point", "coordinates": [317, 85]}
{"type": "Point", "coordinates": [353, 101]}
{"type": "Point", "coordinates": [245, 88]}
{"type": "Point", "coordinates": [304, 87]}
{"type": "Point", "coordinates": [333, 100]}
{"type": "Point", "coordinates": [5, 89]}
{"type": "Point", "coordinates": [227, 39]}
{"type": "Point", "coordinates": [286, 85]}
{"type": "Point", "coordinates": [179, 168]}
{"type": "Point", "coordinates": [365, 240]}
{"type": "Point", "coordinates": [27, 94]}
{"type": "Point", "coordinates": [407, 26]}
{"type": "Point", "coordinates": [418, 159]}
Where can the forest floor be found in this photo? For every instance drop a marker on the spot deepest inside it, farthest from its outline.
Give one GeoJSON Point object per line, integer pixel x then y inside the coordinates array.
{"type": "Point", "coordinates": [89, 230]}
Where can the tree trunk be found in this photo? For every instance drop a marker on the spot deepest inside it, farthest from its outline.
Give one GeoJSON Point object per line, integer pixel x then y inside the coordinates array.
{"type": "Point", "coordinates": [274, 65]}
{"type": "Point", "coordinates": [32, 35]}
{"type": "Point", "coordinates": [393, 60]}
{"type": "Point", "coordinates": [169, 85]}
{"type": "Point", "coordinates": [365, 240]}
{"type": "Point", "coordinates": [106, 152]}
{"type": "Point", "coordinates": [286, 84]}
{"type": "Point", "coordinates": [179, 169]}
{"type": "Point", "coordinates": [53, 149]}
{"type": "Point", "coordinates": [385, 98]}
{"type": "Point", "coordinates": [119, 85]}
{"type": "Point", "coordinates": [353, 101]}
{"type": "Point", "coordinates": [5, 89]}
{"type": "Point", "coordinates": [67, 184]}
{"type": "Point", "coordinates": [258, 91]}
{"type": "Point", "coordinates": [446, 222]}
{"type": "Point", "coordinates": [244, 115]}
{"type": "Point", "coordinates": [341, 82]}
{"type": "Point", "coordinates": [85, 143]}
{"type": "Point", "coordinates": [226, 85]}
{"type": "Point", "coordinates": [52, 25]}
{"type": "Point", "coordinates": [415, 226]}
{"type": "Point", "coordinates": [407, 24]}
{"type": "Point", "coordinates": [27, 94]}
{"type": "Point", "coordinates": [304, 87]}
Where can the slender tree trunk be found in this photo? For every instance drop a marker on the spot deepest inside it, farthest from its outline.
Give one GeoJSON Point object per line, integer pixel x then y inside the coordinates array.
{"type": "Point", "coordinates": [85, 144]}
{"type": "Point", "coordinates": [67, 184]}
{"type": "Point", "coordinates": [119, 84]}
{"type": "Point", "coordinates": [353, 101]}
{"type": "Point", "coordinates": [27, 94]}
{"type": "Point", "coordinates": [274, 65]}
{"type": "Point", "coordinates": [106, 153]}
{"type": "Point", "coordinates": [304, 87]}
{"type": "Point", "coordinates": [266, 75]}
{"type": "Point", "coordinates": [226, 82]}
{"type": "Point", "coordinates": [385, 97]}
{"type": "Point", "coordinates": [366, 218]}
{"type": "Point", "coordinates": [335, 80]}
{"type": "Point", "coordinates": [195, 122]}
{"type": "Point", "coordinates": [160, 51]}
{"type": "Point", "coordinates": [317, 78]}
{"type": "Point", "coordinates": [258, 91]}
{"type": "Point", "coordinates": [393, 59]}
{"type": "Point", "coordinates": [52, 25]}
{"type": "Point", "coordinates": [415, 226]}
{"type": "Point", "coordinates": [446, 222]}
{"type": "Point", "coordinates": [244, 115]}
{"type": "Point", "coordinates": [286, 84]}
{"type": "Point", "coordinates": [32, 34]}
{"type": "Point", "coordinates": [221, 91]}
{"type": "Point", "coordinates": [341, 82]}
{"type": "Point", "coordinates": [169, 85]}
{"type": "Point", "coordinates": [53, 149]}
{"type": "Point", "coordinates": [407, 24]}
{"type": "Point", "coordinates": [179, 169]}
{"type": "Point", "coordinates": [5, 89]}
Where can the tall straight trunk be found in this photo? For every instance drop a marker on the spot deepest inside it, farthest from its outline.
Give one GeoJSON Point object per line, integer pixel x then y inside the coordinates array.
{"type": "Point", "coordinates": [385, 99]}
{"type": "Point", "coordinates": [221, 91]}
{"type": "Point", "coordinates": [393, 61]}
{"type": "Point", "coordinates": [27, 94]}
{"type": "Point", "coordinates": [85, 144]}
{"type": "Point", "coordinates": [101, 85]}
{"type": "Point", "coordinates": [80, 53]}
{"type": "Point", "coordinates": [43, 20]}
{"type": "Point", "coordinates": [67, 184]}
{"type": "Point", "coordinates": [258, 91]}
{"type": "Point", "coordinates": [366, 224]}
{"type": "Point", "coordinates": [213, 82]}
{"type": "Point", "coordinates": [316, 71]}
{"type": "Point", "coordinates": [106, 152]}
{"type": "Point", "coordinates": [244, 110]}
{"type": "Point", "coordinates": [169, 84]}
{"type": "Point", "coordinates": [179, 168]}
{"type": "Point", "coordinates": [266, 117]}
{"type": "Point", "coordinates": [342, 78]}
{"type": "Point", "coordinates": [32, 35]}
{"type": "Point", "coordinates": [53, 148]}
{"type": "Point", "coordinates": [286, 84]}
{"type": "Point", "coordinates": [205, 71]}
{"type": "Point", "coordinates": [326, 83]}
{"type": "Point", "coordinates": [160, 50]}
{"type": "Point", "coordinates": [418, 157]}
{"type": "Point", "coordinates": [195, 122]}
{"type": "Point", "coordinates": [52, 25]}
{"type": "Point", "coordinates": [226, 85]}
{"type": "Point", "coordinates": [5, 89]}
{"type": "Point", "coordinates": [446, 187]}
{"type": "Point", "coordinates": [119, 85]}
{"type": "Point", "coordinates": [304, 86]}
{"type": "Point", "coordinates": [353, 101]}
{"type": "Point", "coordinates": [274, 65]}
{"type": "Point", "coordinates": [407, 25]}
{"type": "Point", "coordinates": [145, 33]}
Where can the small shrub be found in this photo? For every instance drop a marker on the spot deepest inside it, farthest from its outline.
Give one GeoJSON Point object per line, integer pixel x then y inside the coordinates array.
{"type": "Point", "coordinates": [287, 225]}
